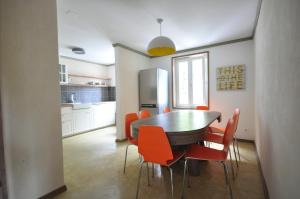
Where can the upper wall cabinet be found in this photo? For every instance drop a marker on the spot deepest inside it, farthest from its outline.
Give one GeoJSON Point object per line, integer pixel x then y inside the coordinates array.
{"type": "Point", "coordinates": [63, 74]}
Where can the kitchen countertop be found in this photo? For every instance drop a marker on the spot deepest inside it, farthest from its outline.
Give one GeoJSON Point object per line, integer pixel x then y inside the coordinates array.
{"type": "Point", "coordinates": [72, 105]}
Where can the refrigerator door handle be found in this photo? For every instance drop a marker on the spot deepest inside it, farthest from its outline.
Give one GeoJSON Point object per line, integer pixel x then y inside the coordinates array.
{"type": "Point", "coordinates": [148, 105]}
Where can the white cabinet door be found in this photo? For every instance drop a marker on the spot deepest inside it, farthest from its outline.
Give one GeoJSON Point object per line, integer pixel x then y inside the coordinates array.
{"type": "Point", "coordinates": [98, 116]}
{"type": "Point", "coordinates": [111, 110]}
{"type": "Point", "coordinates": [82, 120]}
{"type": "Point", "coordinates": [63, 74]}
{"type": "Point", "coordinates": [104, 114]}
{"type": "Point", "coordinates": [66, 121]}
{"type": "Point", "coordinates": [67, 128]}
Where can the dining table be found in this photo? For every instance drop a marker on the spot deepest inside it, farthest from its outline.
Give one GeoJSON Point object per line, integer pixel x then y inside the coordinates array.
{"type": "Point", "coordinates": [183, 127]}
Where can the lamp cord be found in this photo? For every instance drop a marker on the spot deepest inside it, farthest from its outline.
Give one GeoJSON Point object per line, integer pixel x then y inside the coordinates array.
{"type": "Point", "coordinates": [160, 29]}
{"type": "Point", "coordinates": [159, 20]}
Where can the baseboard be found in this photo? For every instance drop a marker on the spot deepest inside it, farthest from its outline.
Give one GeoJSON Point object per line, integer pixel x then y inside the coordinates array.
{"type": "Point", "coordinates": [248, 141]}
{"type": "Point", "coordinates": [54, 193]}
{"type": "Point", "coordinates": [87, 131]}
{"type": "Point", "coordinates": [265, 188]}
{"type": "Point", "coordinates": [121, 140]}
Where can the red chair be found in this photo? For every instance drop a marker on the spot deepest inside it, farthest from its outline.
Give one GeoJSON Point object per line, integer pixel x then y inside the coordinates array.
{"type": "Point", "coordinates": [144, 114]}
{"type": "Point", "coordinates": [203, 108]}
{"type": "Point", "coordinates": [154, 146]}
{"type": "Point", "coordinates": [198, 152]}
{"type": "Point", "coordinates": [216, 135]}
{"type": "Point", "coordinates": [129, 118]}
{"type": "Point", "coordinates": [167, 110]}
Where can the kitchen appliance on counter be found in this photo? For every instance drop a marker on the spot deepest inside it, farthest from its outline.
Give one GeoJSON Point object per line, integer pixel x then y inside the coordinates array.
{"type": "Point", "coordinates": [72, 98]}
{"type": "Point", "coordinates": [153, 90]}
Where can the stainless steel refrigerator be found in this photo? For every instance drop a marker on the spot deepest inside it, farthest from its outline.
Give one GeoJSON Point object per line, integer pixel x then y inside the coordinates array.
{"type": "Point", "coordinates": [153, 90]}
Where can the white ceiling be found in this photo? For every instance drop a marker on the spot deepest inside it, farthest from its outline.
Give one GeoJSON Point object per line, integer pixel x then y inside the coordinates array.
{"type": "Point", "coordinates": [96, 24]}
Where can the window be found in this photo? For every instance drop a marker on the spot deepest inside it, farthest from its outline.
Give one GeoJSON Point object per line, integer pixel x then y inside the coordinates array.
{"type": "Point", "coordinates": [190, 80]}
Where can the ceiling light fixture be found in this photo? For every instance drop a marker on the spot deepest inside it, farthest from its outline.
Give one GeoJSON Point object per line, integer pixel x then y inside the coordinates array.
{"type": "Point", "coordinates": [161, 45]}
{"type": "Point", "coordinates": [77, 50]}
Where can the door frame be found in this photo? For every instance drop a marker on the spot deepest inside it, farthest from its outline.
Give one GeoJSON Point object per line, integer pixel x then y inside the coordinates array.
{"type": "Point", "coordinates": [3, 184]}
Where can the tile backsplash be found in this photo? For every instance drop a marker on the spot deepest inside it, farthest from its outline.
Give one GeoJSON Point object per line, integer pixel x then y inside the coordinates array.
{"type": "Point", "coordinates": [84, 94]}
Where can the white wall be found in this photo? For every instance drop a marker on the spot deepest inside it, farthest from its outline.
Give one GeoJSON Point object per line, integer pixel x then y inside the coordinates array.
{"type": "Point", "coordinates": [277, 94]}
{"type": "Point", "coordinates": [127, 65]}
{"type": "Point", "coordinates": [226, 101]}
{"type": "Point", "coordinates": [30, 97]}
{"type": "Point", "coordinates": [112, 74]}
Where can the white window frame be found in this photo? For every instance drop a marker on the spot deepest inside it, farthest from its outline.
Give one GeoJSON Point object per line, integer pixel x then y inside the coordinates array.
{"type": "Point", "coordinates": [175, 86]}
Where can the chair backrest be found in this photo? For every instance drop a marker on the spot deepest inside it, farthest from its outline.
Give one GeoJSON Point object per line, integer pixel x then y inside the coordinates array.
{"type": "Point", "coordinates": [167, 110]}
{"type": "Point", "coordinates": [235, 118]}
{"type": "Point", "coordinates": [144, 114]}
{"type": "Point", "coordinates": [154, 145]}
{"type": "Point", "coordinates": [130, 117]}
{"type": "Point", "coordinates": [228, 135]}
{"type": "Point", "coordinates": [203, 108]}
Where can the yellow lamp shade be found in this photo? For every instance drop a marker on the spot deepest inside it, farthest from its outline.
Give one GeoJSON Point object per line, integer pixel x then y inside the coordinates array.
{"type": "Point", "coordinates": [161, 46]}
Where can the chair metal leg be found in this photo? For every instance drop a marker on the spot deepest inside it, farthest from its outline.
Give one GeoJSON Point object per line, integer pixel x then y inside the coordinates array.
{"type": "Point", "coordinates": [152, 170]}
{"type": "Point", "coordinates": [125, 158]}
{"type": "Point", "coordinates": [188, 176]}
{"type": "Point", "coordinates": [183, 182]}
{"type": "Point", "coordinates": [235, 156]}
{"type": "Point", "coordinates": [140, 158]}
{"type": "Point", "coordinates": [237, 147]}
{"type": "Point", "coordinates": [227, 178]}
{"type": "Point", "coordinates": [232, 170]}
{"type": "Point", "coordinates": [139, 179]}
{"type": "Point", "coordinates": [226, 174]}
{"type": "Point", "coordinates": [148, 174]}
{"type": "Point", "coordinates": [172, 185]}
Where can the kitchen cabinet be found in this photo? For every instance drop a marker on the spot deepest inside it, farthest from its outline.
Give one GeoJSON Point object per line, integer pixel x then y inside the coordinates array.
{"type": "Point", "coordinates": [104, 114]}
{"type": "Point", "coordinates": [98, 116]}
{"type": "Point", "coordinates": [82, 119]}
{"type": "Point", "coordinates": [67, 128]}
{"type": "Point", "coordinates": [85, 117]}
{"type": "Point", "coordinates": [110, 110]}
{"type": "Point", "coordinates": [66, 120]}
{"type": "Point", "coordinates": [63, 74]}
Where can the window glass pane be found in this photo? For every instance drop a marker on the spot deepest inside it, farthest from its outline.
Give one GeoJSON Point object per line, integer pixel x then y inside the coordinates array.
{"type": "Point", "coordinates": [190, 80]}
{"type": "Point", "coordinates": [197, 74]}
{"type": "Point", "coordinates": [183, 84]}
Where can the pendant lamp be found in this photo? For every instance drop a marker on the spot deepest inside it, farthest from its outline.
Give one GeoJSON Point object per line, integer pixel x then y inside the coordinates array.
{"type": "Point", "coordinates": [161, 45]}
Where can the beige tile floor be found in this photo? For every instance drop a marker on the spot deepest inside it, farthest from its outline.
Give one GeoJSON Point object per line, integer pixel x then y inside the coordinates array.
{"type": "Point", "coordinates": [93, 165]}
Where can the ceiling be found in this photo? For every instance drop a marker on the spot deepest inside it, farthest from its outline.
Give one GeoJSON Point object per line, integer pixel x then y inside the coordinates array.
{"type": "Point", "coordinates": [97, 24]}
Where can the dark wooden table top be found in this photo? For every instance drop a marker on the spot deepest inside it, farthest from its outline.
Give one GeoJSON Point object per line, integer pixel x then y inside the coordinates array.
{"type": "Point", "coordinates": [182, 127]}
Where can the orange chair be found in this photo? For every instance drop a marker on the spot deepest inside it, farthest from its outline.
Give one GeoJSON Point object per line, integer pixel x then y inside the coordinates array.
{"type": "Point", "coordinates": [144, 114]}
{"type": "Point", "coordinates": [216, 135]}
{"type": "Point", "coordinates": [154, 146]}
{"type": "Point", "coordinates": [203, 108]}
{"type": "Point", "coordinates": [129, 118]}
{"type": "Point", "coordinates": [167, 110]}
{"type": "Point", "coordinates": [198, 152]}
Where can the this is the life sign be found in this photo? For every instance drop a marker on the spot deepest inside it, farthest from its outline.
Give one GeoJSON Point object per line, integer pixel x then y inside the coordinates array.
{"type": "Point", "coordinates": [231, 77]}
